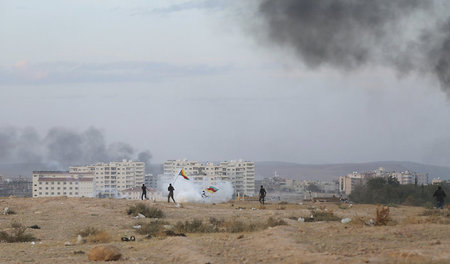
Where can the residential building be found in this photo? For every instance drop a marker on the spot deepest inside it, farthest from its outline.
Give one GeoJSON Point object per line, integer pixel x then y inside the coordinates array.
{"type": "Point", "coordinates": [110, 178]}
{"type": "Point", "coordinates": [240, 173]}
{"type": "Point", "coordinates": [63, 183]}
{"type": "Point", "coordinates": [348, 183]}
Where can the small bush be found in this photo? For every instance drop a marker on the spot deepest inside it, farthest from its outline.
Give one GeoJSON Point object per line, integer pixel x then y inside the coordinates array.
{"type": "Point", "coordinates": [152, 228]}
{"type": "Point", "coordinates": [99, 237]}
{"type": "Point", "coordinates": [271, 222]}
{"type": "Point", "coordinates": [17, 235]}
{"type": "Point", "coordinates": [88, 231]}
{"type": "Point", "coordinates": [94, 235]}
{"type": "Point", "coordinates": [141, 208]}
{"type": "Point", "coordinates": [382, 216]}
{"type": "Point", "coordinates": [195, 226]}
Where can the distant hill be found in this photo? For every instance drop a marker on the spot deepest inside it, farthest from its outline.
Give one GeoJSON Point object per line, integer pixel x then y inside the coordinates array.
{"type": "Point", "coordinates": [326, 172]}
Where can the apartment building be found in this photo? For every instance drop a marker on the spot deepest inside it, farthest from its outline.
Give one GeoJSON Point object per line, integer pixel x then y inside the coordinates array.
{"type": "Point", "coordinates": [63, 183]}
{"type": "Point", "coordinates": [240, 173]}
{"type": "Point", "coordinates": [348, 183]}
{"type": "Point", "coordinates": [110, 178]}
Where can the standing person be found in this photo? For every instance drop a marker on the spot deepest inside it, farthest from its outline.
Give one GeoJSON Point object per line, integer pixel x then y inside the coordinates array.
{"type": "Point", "coordinates": [170, 189]}
{"type": "Point", "coordinates": [440, 195]}
{"type": "Point", "coordinates": [262, 194]}
{"type": "Point", "coordinates": [144, 192]}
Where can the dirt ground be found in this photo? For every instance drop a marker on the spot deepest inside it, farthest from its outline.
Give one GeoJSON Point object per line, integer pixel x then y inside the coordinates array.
{"type": "Point", "coordinates": [409, 238]}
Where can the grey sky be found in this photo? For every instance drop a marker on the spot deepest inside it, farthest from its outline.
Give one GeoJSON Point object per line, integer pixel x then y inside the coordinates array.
{"type": "Point", "coordinates": [186, 79]}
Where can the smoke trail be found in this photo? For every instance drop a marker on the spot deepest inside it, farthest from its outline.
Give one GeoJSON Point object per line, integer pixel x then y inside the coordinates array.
{"type": "Point", "coordinates": [62, 147]}
{"type": "Point", "coordinates": [405, 35]}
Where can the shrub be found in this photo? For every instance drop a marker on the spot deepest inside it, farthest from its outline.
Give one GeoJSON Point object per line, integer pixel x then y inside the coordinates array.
{"type": "Point", "coordinates": [141, 208]}
{"type": "Point", "coordinates": [382, 216]}
{"type": "Point", "coordinates": [233, 226]}
{"type": "Point", "coordinates": [18, 234]}
{"type": "Point", "coordinates": [271, 222]}
{"type": "Point", "coordinates": [88, 231]}
{"type": "Point", "coordinates": [95, 235]}
{"type": "Point", "coordinates": [99, 237]}
{"type": "Point", "coordinates": [195, 226]}
{"type": "Point", "coordinates": [151, 228]}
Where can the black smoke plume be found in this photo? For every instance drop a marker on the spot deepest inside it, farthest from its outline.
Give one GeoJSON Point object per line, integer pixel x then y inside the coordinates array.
{"type": "Point", "coordinates": [405, 35]}
{"type": "Point", "coordinates": [62, 147]}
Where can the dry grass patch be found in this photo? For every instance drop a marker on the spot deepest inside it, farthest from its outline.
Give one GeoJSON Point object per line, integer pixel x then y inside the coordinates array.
{"type": "Point", "coordinates": [94, 235]}
{"type": "Point", "coordinates": [219, 225]}
{"type": "Point", "coordinates": [141, 208]}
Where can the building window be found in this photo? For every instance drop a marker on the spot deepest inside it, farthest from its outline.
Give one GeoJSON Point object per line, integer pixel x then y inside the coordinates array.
{"type": "Point", "coordinates": [40, 193]}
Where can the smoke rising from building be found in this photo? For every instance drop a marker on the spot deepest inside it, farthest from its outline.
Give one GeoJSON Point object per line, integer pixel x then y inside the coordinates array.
{"type": "Point", "coordinates": [405, 35]}
{"type": "Point", "coordinates": [62, 147]}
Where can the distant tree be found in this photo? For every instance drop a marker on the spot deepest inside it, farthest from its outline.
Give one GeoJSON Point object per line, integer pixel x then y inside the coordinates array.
{"type": "Point", "coordinates": [312, 187]}
{"type": "Point", "coordinates": [376, 183]}
{"type": "Point", "coordinates": [392, 180]}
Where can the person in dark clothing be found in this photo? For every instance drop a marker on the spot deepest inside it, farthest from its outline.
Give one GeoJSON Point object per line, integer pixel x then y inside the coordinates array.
{"type": "Point", "coordinates": [262, 194]}
{"type": "Point", "coordinates": [144, 192]}
{"type": "Point", "coordinates": [170, 189]}
{"type": "Point", "coordinates": [440, 195]}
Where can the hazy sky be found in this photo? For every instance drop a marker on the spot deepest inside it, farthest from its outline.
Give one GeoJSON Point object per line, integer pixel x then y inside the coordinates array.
{"type": "Point", "coordinates": [191, 79]}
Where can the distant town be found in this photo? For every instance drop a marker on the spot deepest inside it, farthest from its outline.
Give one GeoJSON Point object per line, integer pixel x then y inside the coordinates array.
{"type": "Point", "coordinates": [123, 179]}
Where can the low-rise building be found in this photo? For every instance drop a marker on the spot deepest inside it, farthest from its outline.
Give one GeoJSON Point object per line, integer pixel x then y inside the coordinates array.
{"type": "Point", "coordinates": [63, 183]}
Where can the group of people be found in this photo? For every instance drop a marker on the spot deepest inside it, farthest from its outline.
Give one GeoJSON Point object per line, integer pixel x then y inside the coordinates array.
{"type": "Point", "coordinates": [170, 189]}
{"type": "Point", "coordinates": [439, 194]}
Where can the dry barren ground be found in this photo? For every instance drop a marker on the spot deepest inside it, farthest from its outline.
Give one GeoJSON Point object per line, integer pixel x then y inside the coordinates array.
{"type": "Point", "coordinates": [409, 238]}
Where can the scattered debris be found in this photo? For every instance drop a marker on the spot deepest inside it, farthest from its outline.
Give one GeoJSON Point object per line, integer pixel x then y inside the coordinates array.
{"type": "Point", "coordinates": [126, 239]}
{"type": "Point", "coordinates": [240, 237]}
{"type": "Point", "coordinates": [140, 215]}
{"type": "Point", "coordinates": [78, 252]}
{"type": "Point", "coordinates": [35, 227]}
{"type": "Point", "coordinates": [6, 211]}
{"type": "Point", "coordinates": [33, 243]}
{"type": "Point", "coordinates": [67, 243]}
{"type": "Point", "coordinates": [301, 219]}
{"type": "Point", "coordinates": [137, 227]}
{"type": "Point", "coordinates": [346, 220]}
{"type": "Point", "coordinates": [80, 239]}
{"type": "Point", "coordinates": [104, 253]}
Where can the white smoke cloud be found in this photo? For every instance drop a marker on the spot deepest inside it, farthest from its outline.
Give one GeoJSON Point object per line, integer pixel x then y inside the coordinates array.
{"type": "Point", "coordinates": [187, 191]}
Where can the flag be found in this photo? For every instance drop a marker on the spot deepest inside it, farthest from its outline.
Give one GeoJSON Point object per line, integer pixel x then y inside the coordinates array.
{"type": "Point", "coordinates": [212, 189]}
{"type": "Point", "coordinates": [183, 173]}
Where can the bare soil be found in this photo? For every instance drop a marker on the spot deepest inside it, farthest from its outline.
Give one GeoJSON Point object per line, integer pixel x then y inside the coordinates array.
{"type": "Point", "coordinates": [408, 238]}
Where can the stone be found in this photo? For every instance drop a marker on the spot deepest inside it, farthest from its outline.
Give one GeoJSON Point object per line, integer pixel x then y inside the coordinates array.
{"type": "Point", "coordinates": [104, 253]}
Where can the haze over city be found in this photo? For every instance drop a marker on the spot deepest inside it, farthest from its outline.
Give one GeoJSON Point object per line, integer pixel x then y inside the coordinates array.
{"type": "Point", "coordinates": [221, 80]}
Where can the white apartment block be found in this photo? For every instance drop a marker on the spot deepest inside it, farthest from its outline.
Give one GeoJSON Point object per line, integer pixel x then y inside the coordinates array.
{"type": "Point", "coordinates": [63, 183]}
{"type": "Point", "coordinates": [113, 177]}
{"type": "Point", "coordinates": [240, 173]}
{"type": "Point", "coordinates": [407, 177]}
